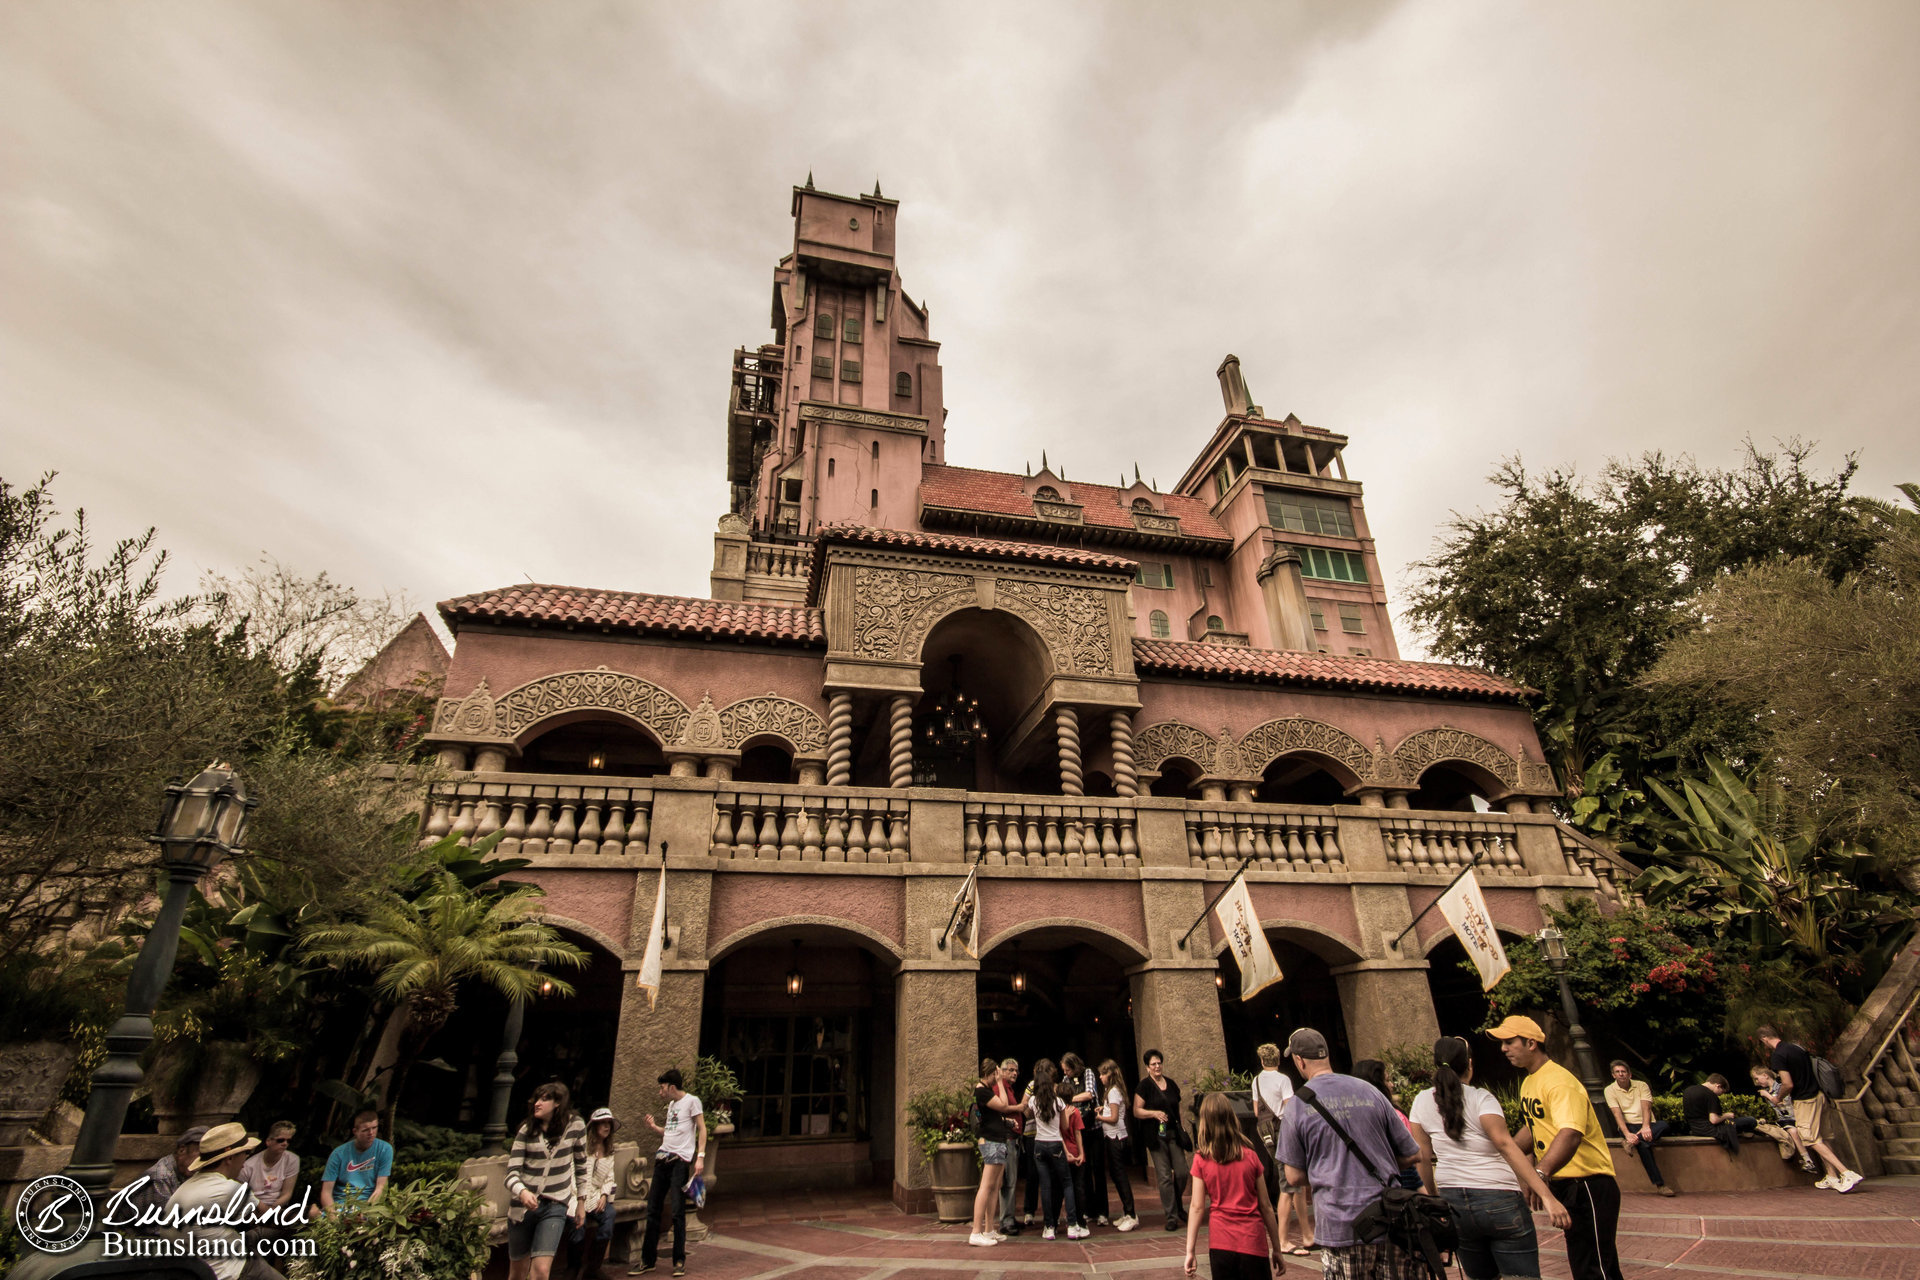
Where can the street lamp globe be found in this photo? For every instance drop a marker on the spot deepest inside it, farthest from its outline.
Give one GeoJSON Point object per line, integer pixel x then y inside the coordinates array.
{"type": "Point", "coordinates": [204, 820]}
{"type": "Point", "coordinates": [1553, 945]}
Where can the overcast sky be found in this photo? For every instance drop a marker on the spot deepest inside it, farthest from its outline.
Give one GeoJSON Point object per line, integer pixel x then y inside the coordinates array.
{"type": "Point", "coordinates": [439, 297]}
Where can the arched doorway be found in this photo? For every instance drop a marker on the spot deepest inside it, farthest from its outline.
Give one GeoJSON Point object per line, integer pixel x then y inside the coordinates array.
{"type": "Point", "coordinates": [803, 1015]}
{"type": "Point", "coordinates": [1306, 996]}
{"type": "Point", "coordinates": [1300, 779]}
{"type": "Point", "coordinates": [764, 760]}
{"type": "Point", "coordinates": [603, 745]}
{"type": "Point", "coordinates": [1179, 779]}
{"type": "Point", "coordinates": [1057, 989]}
{"type": "Point", "coordinates": [1458, 787]}
{"type": "Point", "coordinates": [1461, 1007]}
{"type": "Point", "coordinates": [984, 666]}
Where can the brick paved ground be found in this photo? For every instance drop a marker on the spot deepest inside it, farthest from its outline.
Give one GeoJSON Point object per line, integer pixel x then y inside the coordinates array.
{"type": "Point", "coordinates": [1872, 1234]}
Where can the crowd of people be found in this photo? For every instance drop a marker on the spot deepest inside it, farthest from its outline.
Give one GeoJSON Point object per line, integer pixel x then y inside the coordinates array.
{"type": "Point", "coordinates": [1323, 1155]}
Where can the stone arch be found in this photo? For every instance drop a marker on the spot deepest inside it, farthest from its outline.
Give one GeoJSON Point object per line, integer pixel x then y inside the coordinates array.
{"type": "Point", "coordinates": [1421, 751]}
{"type": "Point", "coordinates": [1350, 760]}
{"type": "Point", "coordinates": [521, 714]}
{"type": "Point", "coordinates": [1125, 949]}
{"type": "Point", "coordinates": [1508, 936]}
{"type": "Point", "coordinates": [1307, 935]}
{"type": "Point", "coordinates": [863, 935]}
{"type": "Point", "coordinates": [1154, 745]}
{"type": "Point", "coordinates": [895, 610]}
{"type": "Point", "coordinates": [590, 933]}
{"type": "Point", "coordinates": [772, 716]}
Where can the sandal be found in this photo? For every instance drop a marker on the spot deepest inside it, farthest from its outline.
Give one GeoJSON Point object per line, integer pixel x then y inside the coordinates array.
{"type": "Point", "coordinates": [1300, 1251]}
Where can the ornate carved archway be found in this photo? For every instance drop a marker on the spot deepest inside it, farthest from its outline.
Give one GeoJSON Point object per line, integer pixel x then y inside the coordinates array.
{"type": "Point", "coordinates": [896, 609]}
{"type": "Point", "coordinates": [768, 715]}
{"type": "Point", "coordinates": [1265, 743]}
{"type": "Point", "coordinates": [1154, 745]}
{"type": "Point", "coordinates": [1421, 751]}
{"type": "Point", "coordinates": [515, 715]}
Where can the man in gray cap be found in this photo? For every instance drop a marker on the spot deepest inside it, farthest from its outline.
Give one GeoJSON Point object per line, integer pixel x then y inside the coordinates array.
{"type": "Point", "coordinates": [165, 1175]}
{"type": "Point", "coordinates": [1343, 1185]}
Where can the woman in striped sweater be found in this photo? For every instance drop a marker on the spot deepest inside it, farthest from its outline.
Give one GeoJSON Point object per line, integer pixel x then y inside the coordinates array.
{"type": "Point", "coordinates": [546, 1182]}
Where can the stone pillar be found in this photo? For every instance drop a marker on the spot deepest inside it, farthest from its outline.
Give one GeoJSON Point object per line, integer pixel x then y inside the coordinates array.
{"type": "Point", "coordinates": [900, 742]}
{"type": "Point", "coordinates": [1397, 799]}
{"type": "Point", "coordinates": [840, 739]}
{"type": "Point", "coordinates": [1539, 846]}
{"type": "Point", "coordinates": [1240, 792]}
{"type": "Point", "coordinates": [1371, 798]}
{"type": "Point", "coordinates": [1176, 1009]}
{"type": "Point", "coordinates": [719, 768]}
{"type": "Point", "coordinates": [668, 1035]}
{"type": "Point", "coordinates": [1289, 617]}
{"type": "Point", "coordinates": [1126, 782]}
{"type": "Point", "coordinates": [1212, 792]}
{"type": "Point", "coordinates": [729, 578]}
{"type": "Point", "coordinates": [683, 766]}
{"type": "Point", "coordinates": [811, 773]}
{"type": "Point", "coordinates": [1517, 804]}
{"type": "Point", "coordinates": [1066, 723]}
{"type": "Point", "coordinates": [490, 760]}
{"type": "Point", "coordinates": [935, 1046]}
{"type": "Point", "coordinates": [1388, 1002]}
{"type": "Point", "coordinates": [453, 756]}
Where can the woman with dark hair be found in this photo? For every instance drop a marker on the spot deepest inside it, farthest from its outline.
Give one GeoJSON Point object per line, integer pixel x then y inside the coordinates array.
{"type": "Point", "coordinates": [1468, 1157]}
{"type": "Point", "coordinates": [1243, 1235]}
{"type": "Point", "coordinates": [1113, 1139]}
{"type": "Point", "coordinates": [591, 1240]}
{"type": "Point", "coordinates": [990, 1110]}
{"type": "Point", "coordinates": [546, 1180]}
{"type": "Point", "coordinates": [1050, 1153]}
{"type": "Point", "coordinates": [1374, 1072]}
{"type": "Point", "coordinates": [1081, 1092]}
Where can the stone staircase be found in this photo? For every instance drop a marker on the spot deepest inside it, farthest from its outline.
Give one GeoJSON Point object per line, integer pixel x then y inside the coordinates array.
{"type": "Point", "coordinates": [1879, 1047]}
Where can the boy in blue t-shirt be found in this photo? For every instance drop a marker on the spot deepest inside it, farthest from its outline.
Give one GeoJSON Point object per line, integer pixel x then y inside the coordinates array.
{"type": "Point", "coordinates": [358, 1169]}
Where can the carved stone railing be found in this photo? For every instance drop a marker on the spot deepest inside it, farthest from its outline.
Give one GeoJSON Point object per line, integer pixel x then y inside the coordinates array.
{"type": "Point", "coordinates": [779, 560]}
{"type": "Point", "coordinates": [1276, 841]}
{"type": "Point", "coordinates": [1051, 833]}
{"type": "Point", "coordinates": [1448, 844]}
{"type": "Point", "coordinates": [536, 814]}
{"type": "Point", "coordinates": [1613, 872]}
{"type": "Point", "coordinates": [789, 825]}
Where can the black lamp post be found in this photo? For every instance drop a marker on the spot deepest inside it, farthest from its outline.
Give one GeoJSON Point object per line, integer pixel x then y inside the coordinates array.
{"type": "Point", "coordinates": [203, 822]}
{"type": "Point", "coordinates": [1553, 945]}
{"type": "Point", "coordinates": [494, 1132]}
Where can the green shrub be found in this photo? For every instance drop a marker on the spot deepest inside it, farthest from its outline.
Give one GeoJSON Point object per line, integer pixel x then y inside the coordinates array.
{"type": "Point", "coordinates": [1670, 1108]}
{"type": "Point", "coordinates": [427, 1231]}
{"type": "Point", "coordinates": [935, 1116]}
{"type": "Point", "coordinates": [1215, 1080]}
{"type": "Point", "coordinates": [431, 1142]}
{"type": "Point", "coordinates": [1410, 1067]}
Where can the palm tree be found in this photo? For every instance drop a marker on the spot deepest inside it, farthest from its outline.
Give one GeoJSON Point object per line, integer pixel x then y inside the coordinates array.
{"type": "Point", "coordinates": [422, 950]}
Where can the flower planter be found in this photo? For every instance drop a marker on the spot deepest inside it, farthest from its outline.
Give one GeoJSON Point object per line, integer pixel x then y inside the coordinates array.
{"type": "Point", "coordinates": [696, 1229]}
{"type": "Point", "coordinates": [30, 1080]}
{"type": "Point", "coordinates": [956, 1180]}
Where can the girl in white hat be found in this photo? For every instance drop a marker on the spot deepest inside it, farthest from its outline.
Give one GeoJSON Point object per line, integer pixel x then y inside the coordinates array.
{"type": "Point", "coordinates": [592, 1239]}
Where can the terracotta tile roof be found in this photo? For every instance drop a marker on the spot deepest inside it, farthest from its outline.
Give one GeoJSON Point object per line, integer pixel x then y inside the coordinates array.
{"type": "Point", "coordinates": [1272, 666]}
{"type": "Point", "coordinates": [1003, 493]}
{"type": "Point", "coordinates": [638, 611]}
{"type": "Point", "coordinates": [993, 548]}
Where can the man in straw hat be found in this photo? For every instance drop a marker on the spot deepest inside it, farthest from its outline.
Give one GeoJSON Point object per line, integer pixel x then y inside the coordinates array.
{"type": "Point", "coordinates": [215, 1191]}
{"type": "Point", "coordinates": [1569, 1149]}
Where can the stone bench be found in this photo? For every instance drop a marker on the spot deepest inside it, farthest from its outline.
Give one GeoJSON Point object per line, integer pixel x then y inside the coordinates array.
{"type": "Point", "coordinates": [488, 1176]}
{"type": "Point", "coordinates": [1702, 1164]}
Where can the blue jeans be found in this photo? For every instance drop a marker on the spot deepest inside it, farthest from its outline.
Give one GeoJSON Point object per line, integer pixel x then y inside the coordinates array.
{"type": "Point", "coordinates": [598, 1226]}
{"type": "Point", "coordinates": [1644, 1150]}
{"type": "Point", "coordinates": [539, 1231]}
{"type": "Point", "coordinates": [1050, 1159]}
{"type": "Point", "coordinates": [1496, 1232]}
{"type": "Point", "coordinates": [1727, 1133]}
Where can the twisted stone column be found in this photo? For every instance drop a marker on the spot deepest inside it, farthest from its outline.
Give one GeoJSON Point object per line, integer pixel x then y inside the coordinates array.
{"type": "Point", "coordinates": [840, 740]}
{"type": "Point", "coordinates": [1125, 781]}
{"type": "Point", "coordinates": [900, 742]}
{"type": "Point", "coordinates": [1067, 727]}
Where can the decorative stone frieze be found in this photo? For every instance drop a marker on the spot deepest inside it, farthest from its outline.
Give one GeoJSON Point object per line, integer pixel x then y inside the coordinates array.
{"type": "Point", "coordinates": [773, 715]}
{"type": "Point", "coordinates": [1074, 621]}
{"type": "Point", "coordinates": [1070, 512]}
{"type": "Point", "coordinates": [1158, 743]}
{"type": "Point", "coordinates": [1150, 522]}
{"type": "Point", "coordinates": [1223, 756]}
{"type": "Point", "coordinates": [906, 423]}
{"type": "Point", "coordinates": [895, 609]}
{"type": "Point", "coordinates": [481, 717]}
{"type": "Point", "coordinates": [1430, 746]}
{"type": "Point", "coordinates": [1265, 743]}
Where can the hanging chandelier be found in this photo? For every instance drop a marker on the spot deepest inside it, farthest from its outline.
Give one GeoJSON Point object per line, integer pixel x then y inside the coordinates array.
{"type": "Point", "coordinates": [953, 724]}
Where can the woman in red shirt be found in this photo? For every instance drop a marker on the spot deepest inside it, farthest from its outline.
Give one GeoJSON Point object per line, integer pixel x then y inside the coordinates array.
{"type": "Point", "coordinates": [1243, 1236]}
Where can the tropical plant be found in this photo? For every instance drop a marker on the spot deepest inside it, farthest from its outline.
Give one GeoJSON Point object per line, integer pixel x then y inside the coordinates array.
{"type": "Point", "coordinates": [713, 1082]}
{"type": "Point", "coordinates": [425, 1231]}
{"type": "Point", "coordinates": [1221, 1080]}
{"type": "Point", "coordinates": [1736, 854]}
{"type": "Point", "coordinates": [936, 1116]}
{"type": "Point", "coordinates": [423, 950]}
{"type": "Point", "coordinates": [1410, 1067]}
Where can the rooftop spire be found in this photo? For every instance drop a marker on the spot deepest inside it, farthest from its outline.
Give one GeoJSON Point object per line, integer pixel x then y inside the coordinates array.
{"type": "Point", "coordinates": [809, 179]}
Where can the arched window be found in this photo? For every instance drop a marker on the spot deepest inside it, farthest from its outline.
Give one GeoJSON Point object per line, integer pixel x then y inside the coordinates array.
{"type": "Point", "coordinates": [1046, 493]}
{"type": "Point", "coordinates": [829, 468]}
{"type": "Point", "coordinates": [1214, 623]}
{"type": "Point", "coordinates": [1141, 504]}
{"type": "Point", "coordinates": [873, 499]}
{"type": "Point", "coordinates": [823, 326]}
{"type": "Point", "coordinates": [1157, 624]}
{"type": "Point", "coordinates": [876, 451]}
{"type": "Point", "coordinates": [903, 384]}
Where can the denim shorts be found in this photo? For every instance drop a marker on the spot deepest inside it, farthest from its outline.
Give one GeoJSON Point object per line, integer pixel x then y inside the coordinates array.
{"type": "Point", "coordinates": [992, 1152]}
{"type": "Point", "coordinates": [1496, 1232]}
{"type": "Point", "coordinates": [539, 1231]}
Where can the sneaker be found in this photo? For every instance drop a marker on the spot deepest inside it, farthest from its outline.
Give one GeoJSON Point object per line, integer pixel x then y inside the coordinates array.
{"type": "Point", "coordinates": [1826, 1183]}
{"type": "Point", "coordinates": [1101, 1221]}
{"type": "Point", "coordinates": [1048, 1233]}
{"type": "Point", "coordinates": [1848, 1181]}
{"type": "Point", "coordinates": [679, 1269]}
{"type": "Point", "coordinates": [984, 1241]}
{"type": "Point", "coordinates": [1027, 1221]}
{"type": "Point", "coordinates": [1809, 1166]}
{"type": "Point", "coordinates": [997, 1237]}
{"type": "Point", "coordinates": [645, 1268]}
{"type": "Point", "coordinates": [1664, 1189]}
{"type": "Point", "coordinates": [1127, 1223]}
{"type": "Point", "coordinates": [1078, 1233]}
{"type": "Point", "coordinates": [1173, 1226]}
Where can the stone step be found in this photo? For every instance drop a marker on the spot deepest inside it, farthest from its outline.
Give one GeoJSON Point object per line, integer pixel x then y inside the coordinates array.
{"type": "Point", "coordinates": [1906, 1130]}
{"type": "Point", "coordinates": [1902, 1164]}
{"type": "Point", "coordinates": [1909, 1147]}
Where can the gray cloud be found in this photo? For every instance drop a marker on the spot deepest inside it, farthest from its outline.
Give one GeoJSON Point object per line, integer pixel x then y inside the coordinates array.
{"type": "Point", "coordinates": [441, 296]}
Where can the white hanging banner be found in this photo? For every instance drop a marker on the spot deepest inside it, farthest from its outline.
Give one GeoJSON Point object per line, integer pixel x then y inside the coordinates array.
{"type": "Point", "coordinates": [966, 919]}
{"type": "Point", "coordinates": [1246, 940]}
{"type": "Point", "coordinates": [649, 981]}
{"type": "Point", "coordinates": [1466, 911]}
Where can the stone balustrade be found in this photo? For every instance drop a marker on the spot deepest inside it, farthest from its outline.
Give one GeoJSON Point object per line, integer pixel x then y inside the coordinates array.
{"type": "Point", "coordinates": [539, 814]}
{"type": "Point", "coordinates": [1449, 844]}
{"type": "Point", "coordinates": [779, 559]}
{"type": "Point", "coordinates": [811, 825]}
{"type": "Point", "coordinates": [1051, 833]}
{"type": "Point", "coordinates": [1612, 873]}
{"type": "Point", "coordinates": [1277, 838]}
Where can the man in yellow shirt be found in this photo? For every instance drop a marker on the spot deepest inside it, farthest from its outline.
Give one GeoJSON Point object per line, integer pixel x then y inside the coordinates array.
{"type": "Point", "coordinates": [1568, 1148]}
{"type": "Point", "coordinates": [1631, 1102]}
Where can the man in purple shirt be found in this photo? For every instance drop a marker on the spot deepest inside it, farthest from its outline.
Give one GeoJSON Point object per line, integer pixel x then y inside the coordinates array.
{"type": "Point", "coordinates": [1314, 1155]}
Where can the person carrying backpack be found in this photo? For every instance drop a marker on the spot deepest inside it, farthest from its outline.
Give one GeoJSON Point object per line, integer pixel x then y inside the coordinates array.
{"type": "Point", "coordinates": [1793, 1068]}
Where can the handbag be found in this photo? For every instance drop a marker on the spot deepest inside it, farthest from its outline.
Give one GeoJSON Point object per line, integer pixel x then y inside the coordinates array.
{"type": "Point", "coordinates": [1418, 1223]}
{"type": "Point", "coordinates": [697, 1191]}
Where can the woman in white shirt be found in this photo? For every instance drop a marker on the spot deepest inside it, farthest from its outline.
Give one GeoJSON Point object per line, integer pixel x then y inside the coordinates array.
{"type": "Point", "coordinates": [1468, 1157]}
{"type": "Point", "coordinates": [1272, 1091]}
{"type": "Point", "coordinates": [592, 1239]}
{"type": "Point", "coordinates": [1113, 1131]}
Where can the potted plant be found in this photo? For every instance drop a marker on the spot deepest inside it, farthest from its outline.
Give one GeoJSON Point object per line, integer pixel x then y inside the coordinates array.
{"type": "Point", "coordinates": [431, 1230]}
{"type": "Point", "coordinates": [1237, 1085]}
{"type": "Point", "coordinates": [941, 1122]}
